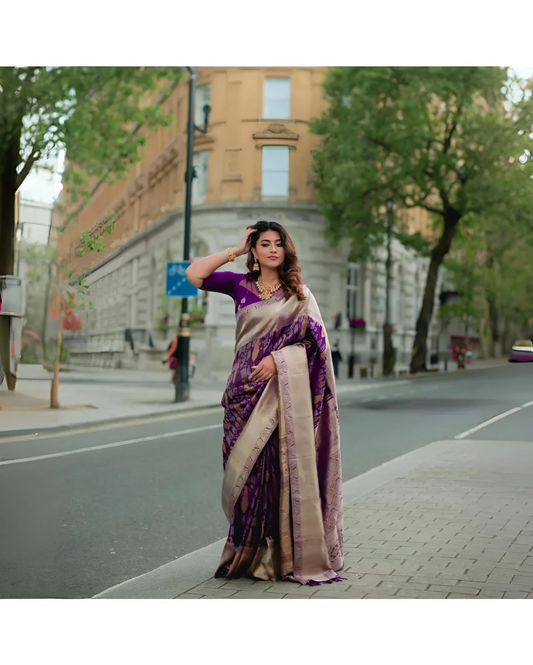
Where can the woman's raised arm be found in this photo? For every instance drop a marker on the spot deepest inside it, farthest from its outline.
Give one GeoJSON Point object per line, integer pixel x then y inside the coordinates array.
{"type": "Point", "coordinates": [203, 268]}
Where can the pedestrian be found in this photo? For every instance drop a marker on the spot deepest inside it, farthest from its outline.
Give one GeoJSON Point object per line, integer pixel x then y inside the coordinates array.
{"type": "Point", "coordinates": [282, 488]}
{"type": "Point", "coordinates": [172, 357]}
{"type": "Point", "coordinates": [336, 358]}
{"type": "Point", "coordinates": [192, 366]}
{"type": "Point", "coordinates": [461, 357]}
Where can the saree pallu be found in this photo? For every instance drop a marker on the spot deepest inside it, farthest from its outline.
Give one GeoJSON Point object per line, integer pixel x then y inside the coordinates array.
{"type": "Point", "coordinates": [282, 489]}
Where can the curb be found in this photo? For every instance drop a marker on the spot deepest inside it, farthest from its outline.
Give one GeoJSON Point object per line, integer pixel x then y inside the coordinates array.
{"type": "Point", "coordinates": [105, 421]}
{"type": "Point", "coordinates": [183, 574]}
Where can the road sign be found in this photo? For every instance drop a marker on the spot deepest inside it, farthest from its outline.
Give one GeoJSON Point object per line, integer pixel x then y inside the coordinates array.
{"type": "Point", "coordinates": [177, 284]}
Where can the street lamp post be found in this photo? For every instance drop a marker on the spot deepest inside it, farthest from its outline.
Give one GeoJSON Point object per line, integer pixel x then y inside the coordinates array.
{"type": "Point", "coordinates": [184, 334]}
{"type": "Point", "coordinates": [388, 350]}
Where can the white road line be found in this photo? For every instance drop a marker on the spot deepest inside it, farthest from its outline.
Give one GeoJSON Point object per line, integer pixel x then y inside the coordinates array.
{"type": "Point", "coordinates": [345, 389]}
{"type": "Point", "coordinates": [524, 406]}
{"type": "Point", "coordinates": [155, 437]}
{"type": "Point", "coordinates": [89, 428]}
{"type": "Point", "coordinates": [463, 435]}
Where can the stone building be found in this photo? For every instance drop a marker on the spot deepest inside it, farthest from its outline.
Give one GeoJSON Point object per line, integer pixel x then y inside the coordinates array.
{"type": "Point", "coordinates": [253, 163]}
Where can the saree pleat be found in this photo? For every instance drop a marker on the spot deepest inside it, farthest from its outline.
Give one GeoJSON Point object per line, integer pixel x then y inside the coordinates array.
{"type": "Point", "coordinates": [282, 490]}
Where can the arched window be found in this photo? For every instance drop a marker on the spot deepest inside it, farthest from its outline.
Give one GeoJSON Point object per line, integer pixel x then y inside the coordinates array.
{"type": "Point", "coordinates": [199, 249]}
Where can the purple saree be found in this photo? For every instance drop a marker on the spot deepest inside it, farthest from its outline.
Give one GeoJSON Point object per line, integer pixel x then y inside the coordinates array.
{"type": "Point", "coordinates": [282, 489]}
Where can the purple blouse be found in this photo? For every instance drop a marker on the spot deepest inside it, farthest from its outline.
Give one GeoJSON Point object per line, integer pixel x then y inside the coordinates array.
{"type": "Point", "coordinates": [240, 286]}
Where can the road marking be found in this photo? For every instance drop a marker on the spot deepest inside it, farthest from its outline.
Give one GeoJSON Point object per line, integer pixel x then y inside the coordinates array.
{"type": "Point", "coordinates": [143, 439]}
{"type": "Point", "coordinates": [463, 435]}
{"type": "Point", "coordinates": [342, 390]}
{"type": "Point", "coordinates": [121, 424]}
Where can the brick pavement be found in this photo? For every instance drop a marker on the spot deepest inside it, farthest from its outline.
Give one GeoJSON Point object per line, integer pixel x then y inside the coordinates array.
{"type": "Point", "coordinates": [457, 525]}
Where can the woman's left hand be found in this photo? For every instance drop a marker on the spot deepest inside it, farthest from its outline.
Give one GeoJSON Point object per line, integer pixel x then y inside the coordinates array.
{"type": "Point", "coordinates": [265, 370]}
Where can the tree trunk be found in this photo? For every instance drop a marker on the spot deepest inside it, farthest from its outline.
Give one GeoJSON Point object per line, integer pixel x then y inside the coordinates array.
{"type": "Point", "coordinates": [388, 350]}
{"type": "Point", "coordinates": [419, 353]}
{"type": "Point", "coordinates": [54, 388]}
{"type": "Point", "coordinates": [8, 189]}
{"type": "Point", "coordinates": [494, 327]}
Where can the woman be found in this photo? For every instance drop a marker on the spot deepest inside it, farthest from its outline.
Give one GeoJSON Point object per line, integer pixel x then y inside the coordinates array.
{"type": "Point", "coordinates": [337, 358]}
{"type": "Point", "coordinates": [282, 489]}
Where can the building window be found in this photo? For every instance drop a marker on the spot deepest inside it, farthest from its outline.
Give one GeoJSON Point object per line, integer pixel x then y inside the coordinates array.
{"type": "Point", "coordinates": [275, 172]}
{"type": "Point", "coordinates": [201, 98]}
{"type": "Point", "coordinates": [352, 291]}
{"type": "Point", "coordinates": [199, 186]}
{"type": "Point", "coordinates": [277, 98]}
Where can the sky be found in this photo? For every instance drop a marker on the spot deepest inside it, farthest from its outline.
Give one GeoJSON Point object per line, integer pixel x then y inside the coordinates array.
{"type": "Point", "coordinates": [44, 186]}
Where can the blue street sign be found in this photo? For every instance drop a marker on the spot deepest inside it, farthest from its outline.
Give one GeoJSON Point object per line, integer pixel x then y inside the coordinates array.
{"type": "Point", "coordinates": [177, 284]}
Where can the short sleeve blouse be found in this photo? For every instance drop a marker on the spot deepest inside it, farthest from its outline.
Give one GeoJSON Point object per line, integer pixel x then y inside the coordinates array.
{"type": "Point", "coordinates": [222, 282]}
{"type": "Point", "coordinates": [240, 286]}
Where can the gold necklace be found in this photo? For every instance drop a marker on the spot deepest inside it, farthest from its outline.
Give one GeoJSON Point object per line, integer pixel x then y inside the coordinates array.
{"type": "Point", "coordinates": [265, 292]}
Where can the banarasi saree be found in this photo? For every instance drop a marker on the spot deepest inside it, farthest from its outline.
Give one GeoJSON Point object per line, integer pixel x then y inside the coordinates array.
{"type": "Point", "coordinates": [282, 488]}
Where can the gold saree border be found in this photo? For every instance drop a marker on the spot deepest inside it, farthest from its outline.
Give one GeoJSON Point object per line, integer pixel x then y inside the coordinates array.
{"type": "Point", "coordinates": [311, 558]}
{"type": "Point", "coordinates": [246, 450]}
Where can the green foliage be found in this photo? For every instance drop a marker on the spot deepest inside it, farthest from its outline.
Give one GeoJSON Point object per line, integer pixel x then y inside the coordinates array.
{"type": "Point", "coordinates": [493, 272]}
{"type": "Point", "coordinates": [92, 112]}
{"type": "Point", "coordinates": [415, 241]}
{"type": "Point", "coordinates": [434, 137]}
{"type": "Point", "coordinates": [94, 242]}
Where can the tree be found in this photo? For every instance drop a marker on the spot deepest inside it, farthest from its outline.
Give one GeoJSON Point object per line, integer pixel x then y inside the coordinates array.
{"type": "Point", "coordinates": [439, 138]}
{"type": "Point", "coordinates": [70, 291]}
{"type": "Point", "coordinates": [493, 276]}
{"type": "Point", "coordinates": [93, 113]}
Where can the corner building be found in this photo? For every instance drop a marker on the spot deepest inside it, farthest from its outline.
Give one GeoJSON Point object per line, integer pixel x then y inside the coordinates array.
{"type": "Point", "coordinates": [254, 163]}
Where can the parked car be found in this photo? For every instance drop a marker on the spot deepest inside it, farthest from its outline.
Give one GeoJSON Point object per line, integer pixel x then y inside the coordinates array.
{"type": "Point", "coordinates": [522, 351]}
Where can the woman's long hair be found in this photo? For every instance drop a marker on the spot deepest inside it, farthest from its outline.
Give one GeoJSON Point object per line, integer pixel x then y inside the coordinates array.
{"type": "Point", "coordinates": [290, 272]}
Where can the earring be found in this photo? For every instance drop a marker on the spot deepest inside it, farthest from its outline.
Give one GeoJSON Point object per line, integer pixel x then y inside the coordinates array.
{"type": "Point", "coordinates": [255, 266]}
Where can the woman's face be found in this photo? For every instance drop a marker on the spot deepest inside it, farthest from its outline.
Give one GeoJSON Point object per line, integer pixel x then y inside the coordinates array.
{"type": "Point", "coordinates": [269, 250]}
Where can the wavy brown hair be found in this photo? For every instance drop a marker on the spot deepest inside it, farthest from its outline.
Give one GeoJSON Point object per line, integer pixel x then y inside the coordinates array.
{"type": "Point", "coordinates": [290, 272]}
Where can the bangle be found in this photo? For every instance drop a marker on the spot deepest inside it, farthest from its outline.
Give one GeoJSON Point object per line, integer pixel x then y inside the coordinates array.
{"type": "Point", "coordinates": [231, 255]}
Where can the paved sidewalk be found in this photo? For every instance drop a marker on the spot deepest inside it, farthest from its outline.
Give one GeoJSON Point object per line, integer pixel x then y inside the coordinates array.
{"type": "Point", "coordinates": [451, 520]}
{"type": "Point", "coordinates": [85, 402]}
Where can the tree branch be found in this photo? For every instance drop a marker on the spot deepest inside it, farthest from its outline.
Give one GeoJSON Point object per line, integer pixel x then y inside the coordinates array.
{"type": "Point", "coordinates": [380, 143]}
{"type": "Point", "coordinates": [444, 197]}
{"type": "Point", "coordinates": [448, 138]}
{"type": "Point", "coordinates": [21, 177]}
{"type": "Point", "coordinates": [420, 204]}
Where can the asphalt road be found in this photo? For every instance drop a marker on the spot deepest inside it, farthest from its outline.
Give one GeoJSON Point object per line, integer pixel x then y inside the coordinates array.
{"type": "Point", "coordinates": [102, 505]}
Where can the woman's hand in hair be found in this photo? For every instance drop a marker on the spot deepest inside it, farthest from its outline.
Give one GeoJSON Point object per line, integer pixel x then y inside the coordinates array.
{"type": "Point", "coordinates": [244, 246]}
{"type": "Point", "coordinates": [265, 370]}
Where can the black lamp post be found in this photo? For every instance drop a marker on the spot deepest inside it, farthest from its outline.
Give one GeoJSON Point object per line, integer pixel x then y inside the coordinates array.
{"type": "Point", "coordinates": [184, 334]}
{"type": "Point", "coordinates": [388, 350]}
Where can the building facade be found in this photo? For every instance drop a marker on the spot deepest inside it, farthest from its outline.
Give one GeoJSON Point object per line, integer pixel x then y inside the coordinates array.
{"type": "Point", "coordinates": [255, 162]}
{"type": "Point", "coordinates": [34, 227]}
